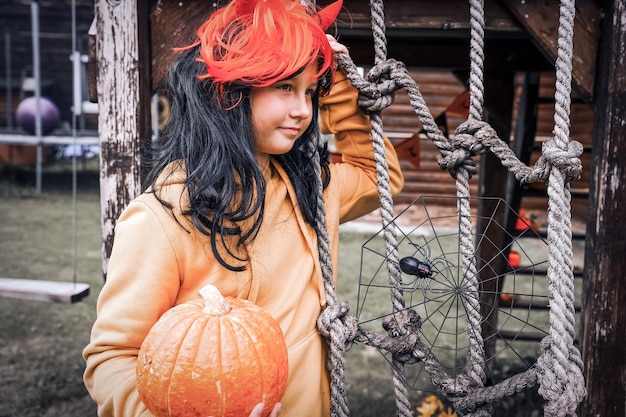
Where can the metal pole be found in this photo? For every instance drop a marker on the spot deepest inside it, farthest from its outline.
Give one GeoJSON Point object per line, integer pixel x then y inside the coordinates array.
{"type": "Point", "coordinates": [7, 72]}
{"type": "Point", "coordinates": [34, 9]}
{"type": "Point", "coordinates": [77, 110]}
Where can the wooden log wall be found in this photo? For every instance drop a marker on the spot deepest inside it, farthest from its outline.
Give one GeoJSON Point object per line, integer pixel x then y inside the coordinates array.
{"type": "Point", "coordinates": [439, 90]}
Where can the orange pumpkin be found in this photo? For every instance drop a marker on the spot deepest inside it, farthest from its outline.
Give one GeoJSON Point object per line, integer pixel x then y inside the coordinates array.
{"type": "Point", "coordinates": [212, 356]}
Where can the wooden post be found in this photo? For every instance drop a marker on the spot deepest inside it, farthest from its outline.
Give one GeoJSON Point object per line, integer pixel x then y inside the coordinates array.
{"type": "Point", "coordinates": [604, 311]}
{"type": "Point", "coordinates": [499, 98]}
{"type": "Point", "coordinates": [124, 89]}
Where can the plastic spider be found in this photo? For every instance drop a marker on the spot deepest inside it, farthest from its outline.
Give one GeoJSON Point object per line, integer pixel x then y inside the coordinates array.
{"type": "Point", "coordinates": [424, 269]}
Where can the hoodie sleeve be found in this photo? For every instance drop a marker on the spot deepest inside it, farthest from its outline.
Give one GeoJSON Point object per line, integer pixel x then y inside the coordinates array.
{"type": "Point", "coordinates": [354, 178]}
{"type": "Point", "coordinates": [142, 281]}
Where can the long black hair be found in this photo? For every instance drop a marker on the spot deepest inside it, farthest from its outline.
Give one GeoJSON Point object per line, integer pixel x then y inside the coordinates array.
{"type": "Point", "coordinates": [213, 139]}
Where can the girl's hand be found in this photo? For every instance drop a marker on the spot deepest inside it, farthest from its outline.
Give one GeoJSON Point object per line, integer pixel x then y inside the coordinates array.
{"type": "Point", "coordinates": [336, 46]}
{"type": "Point", "coordinates": [258, 410]}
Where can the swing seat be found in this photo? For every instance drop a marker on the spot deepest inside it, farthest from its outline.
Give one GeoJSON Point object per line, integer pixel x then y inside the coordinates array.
{"type": "Point", "coordinates": [41, 290]}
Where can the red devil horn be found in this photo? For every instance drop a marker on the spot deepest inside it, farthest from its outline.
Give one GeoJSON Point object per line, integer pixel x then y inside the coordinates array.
{"type": "Point", "coordinates": [328, 14]}
{"type": "Point", "coordinates": [244, 7]}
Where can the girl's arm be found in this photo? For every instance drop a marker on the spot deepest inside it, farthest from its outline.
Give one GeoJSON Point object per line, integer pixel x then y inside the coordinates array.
{"type": "Point", "coordinates": [354, 178]}
{"type": "Point", "coordinates": [142, 283]}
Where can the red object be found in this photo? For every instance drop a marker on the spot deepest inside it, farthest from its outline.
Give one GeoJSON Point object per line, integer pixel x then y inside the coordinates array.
{"type": "Point", "coordinates": [514, 259]}
{"type": "Point", "coordinates": [506, 298]}
{"type": "Point", "coordinates": [523, 222]}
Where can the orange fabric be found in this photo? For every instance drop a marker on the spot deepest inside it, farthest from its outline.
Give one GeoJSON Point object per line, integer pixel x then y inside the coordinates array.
{"type": "Point", "coordinates": [156, 264]}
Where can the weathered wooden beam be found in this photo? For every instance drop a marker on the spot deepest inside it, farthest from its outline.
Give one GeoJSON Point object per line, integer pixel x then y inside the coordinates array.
{"type": "Point", "coordinates": [541, 20]}
{"type": "Point", "coordinates": [436, 35]}
{"type": "Point", "coordinates": [442, 15]}
{"type": "Point", "coordinates": [174, 24]}
{"type": "Point", "coordinates": [604, 291]}
{"type": "Point", "coordinates": [92, 65]}
{"type": "Point", "coordinates": [123, 87]}
{"type": "Point", "coordinates": [447, 54]}
{"type": "Point", "coordinates": [421, 33]}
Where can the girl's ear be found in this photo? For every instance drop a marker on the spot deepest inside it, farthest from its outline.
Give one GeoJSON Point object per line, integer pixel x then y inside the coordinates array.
{"type": "Point", "coordinates": [329, 14]}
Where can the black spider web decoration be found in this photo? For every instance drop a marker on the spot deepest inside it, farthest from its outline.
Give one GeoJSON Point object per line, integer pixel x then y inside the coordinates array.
{"type": "Point", "coordinates": [513, 297]}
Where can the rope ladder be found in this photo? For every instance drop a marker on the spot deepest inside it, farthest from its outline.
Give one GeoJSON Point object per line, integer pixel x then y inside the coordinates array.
{"type": "Point", "coordinates": [558, 369]}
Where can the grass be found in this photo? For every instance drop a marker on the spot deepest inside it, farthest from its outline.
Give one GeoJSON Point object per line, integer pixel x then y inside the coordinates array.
{"type": "Point", "coordinates": [41, 343]}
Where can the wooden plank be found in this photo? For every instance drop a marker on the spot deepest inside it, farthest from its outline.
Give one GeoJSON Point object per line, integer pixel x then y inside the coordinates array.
{"type": "Point", "coordinates": [522, 335]}
{"type": "Point", "coordinates": [172, 25]}
{"type": "Point", "coordinates": [450, 53]}
{"type": "Point", "coordinates": [40, 290]}
{"type": "Point", "coordinates": [604, 289]}
{"type": "Point", "coordinates": [447, 15]}
{"type": "Point", "coordinates": [541, 20]}
{"type": "Point", "coordinates": [92, 63]}
{"type": "Point", "coordinates": [428, 34]}
{"type": "Point", "coordinates": [529, 303]}
{"type": "Point", "coordinates": [122, 49]}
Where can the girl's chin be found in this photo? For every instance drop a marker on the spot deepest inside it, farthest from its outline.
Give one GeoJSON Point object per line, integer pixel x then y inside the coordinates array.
{"type": "Point", "coordinates": [280, 150]}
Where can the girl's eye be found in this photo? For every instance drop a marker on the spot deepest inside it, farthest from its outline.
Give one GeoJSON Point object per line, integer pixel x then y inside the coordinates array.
{"type": "Point", "coordinates": [285, 87]}
{"type": "Point", "coordinates": [310, 92]}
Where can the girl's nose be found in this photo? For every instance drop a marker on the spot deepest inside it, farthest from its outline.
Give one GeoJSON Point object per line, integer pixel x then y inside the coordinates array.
{"type": "Point", "coordinates": [302, 106]}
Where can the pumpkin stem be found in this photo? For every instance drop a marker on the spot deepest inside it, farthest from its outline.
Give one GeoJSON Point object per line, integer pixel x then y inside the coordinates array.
{"type": "Point", "coordinates": [214, 303]}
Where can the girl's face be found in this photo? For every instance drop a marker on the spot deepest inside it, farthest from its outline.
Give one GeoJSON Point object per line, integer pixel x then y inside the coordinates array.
{"type": "Point", "coordinates": [282, 112]}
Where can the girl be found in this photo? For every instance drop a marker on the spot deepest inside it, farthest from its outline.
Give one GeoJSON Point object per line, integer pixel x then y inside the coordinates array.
{"type": "Point", "coordinates": [232, 196]}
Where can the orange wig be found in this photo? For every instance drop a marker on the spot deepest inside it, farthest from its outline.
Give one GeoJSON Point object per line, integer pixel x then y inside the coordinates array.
{"type": "Point", "coordinates": [259, 42]}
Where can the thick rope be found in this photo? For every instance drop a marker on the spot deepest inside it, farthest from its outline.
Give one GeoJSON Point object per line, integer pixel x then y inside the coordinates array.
{"type": "Point", "coordinates": [334, 323]}
{"type": "Point", "coordinates": [476, 352]}
{"type": "Point", "coordinates": [559, 367]}
{"type": "Point", "coordinates": [386, 206]}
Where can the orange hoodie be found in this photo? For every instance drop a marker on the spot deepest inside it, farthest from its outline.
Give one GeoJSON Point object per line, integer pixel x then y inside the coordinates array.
{"type": "Point", "coordinates": [156, 264]}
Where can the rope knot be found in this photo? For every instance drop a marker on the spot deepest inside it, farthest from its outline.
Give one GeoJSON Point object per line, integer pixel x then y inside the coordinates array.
{"type": "Point", "coordinates": [404, 327]}
{"type": "Point", "coordinates": [402, 322]}
{"type": "Point", "coordinates": [567, 160]}
{"type": "Point", "coordinates": [378, 92]}
{"type": "Point", "coordinates": [553, 156]}
{"type": "Point", "coordinates": [473, 135]}
{"type": "Point", "coordinates": [335, 321]}
{"type": "Point", "coordinates": [471, 138]}
{"type": "Point", "coordinates": [561, 381]}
